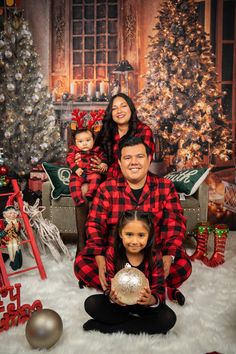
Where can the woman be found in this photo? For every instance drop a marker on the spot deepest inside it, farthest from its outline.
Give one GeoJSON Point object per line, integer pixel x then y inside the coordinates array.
{"type": "Point", "coordinates": [120, 122]}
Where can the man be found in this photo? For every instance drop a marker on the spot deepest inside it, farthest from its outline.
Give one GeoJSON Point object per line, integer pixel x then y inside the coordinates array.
{"type": "Point", "coordinates": [135, 188]}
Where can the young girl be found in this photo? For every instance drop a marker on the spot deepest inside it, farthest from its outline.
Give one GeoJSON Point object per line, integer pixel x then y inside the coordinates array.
{"type": "Point", "coordinates": [134, 240]}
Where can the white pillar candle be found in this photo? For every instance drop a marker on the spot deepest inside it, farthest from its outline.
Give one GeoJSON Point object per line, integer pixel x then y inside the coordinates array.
{"type": "Point", "coordinates": [97, 94]}
{"type": "Point", "coordinates": [102, 88]}
{"type": "Point", "coordinates": [72, 88]}
{"type": "Point", "coordinates": [90, 89]}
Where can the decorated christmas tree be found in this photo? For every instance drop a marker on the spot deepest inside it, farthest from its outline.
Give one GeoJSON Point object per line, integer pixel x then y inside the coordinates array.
{"type": "Point", "coordinates": [181, 98]}
{"type": "Point", "coordinates": [29, 133]}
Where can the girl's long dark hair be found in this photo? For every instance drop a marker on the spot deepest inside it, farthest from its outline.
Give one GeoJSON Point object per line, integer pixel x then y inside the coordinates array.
{"type": "Point", "coordinates": [120, 258]}
{"type": "Point", "coordinates": [105, 138]}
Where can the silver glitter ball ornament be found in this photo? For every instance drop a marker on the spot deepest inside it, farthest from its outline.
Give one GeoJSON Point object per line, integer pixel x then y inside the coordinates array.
{"type": "Point", "coordinates": [28, 110]}
{"type": "Point", "coordinates": [128, 283]}
{"type": "Point", "coordinates": [10, 87]}
{"type": "Point", "coordinates": [8, 54]}
{"type": "Point", "coordinates": [35, 98]}
{"type": "Point", "coordinates": [18, 76]}
{"type": "Point", "coordinates": [43, 329]}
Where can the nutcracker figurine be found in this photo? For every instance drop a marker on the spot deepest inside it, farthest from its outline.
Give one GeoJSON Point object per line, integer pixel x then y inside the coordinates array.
{"type": "Point", "coordinates": [10, 233]}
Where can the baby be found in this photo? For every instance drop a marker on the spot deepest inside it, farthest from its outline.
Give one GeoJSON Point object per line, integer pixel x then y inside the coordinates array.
{"type": "Point", "coordinates": [81, 168]}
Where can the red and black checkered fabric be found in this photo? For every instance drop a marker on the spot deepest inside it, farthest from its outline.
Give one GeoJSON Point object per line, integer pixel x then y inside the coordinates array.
{"type": "Point", "coordinates": [89, 176]}
{"type": "Point", "coordinates": [114, 196]}
{"type": "Point", "coordinates": [85, 162]}
{"type": "Point", "coordinates": [76, 182]}
{"type": "Point", "coordinates": [144, 132]}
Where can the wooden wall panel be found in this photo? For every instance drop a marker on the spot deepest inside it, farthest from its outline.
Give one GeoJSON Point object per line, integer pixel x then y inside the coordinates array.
{"type": "Point", "coordinates": [60, 45]}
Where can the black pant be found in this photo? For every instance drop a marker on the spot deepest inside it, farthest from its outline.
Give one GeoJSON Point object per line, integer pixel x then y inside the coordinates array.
{"type": "Point", "coordinates": [130, 319]}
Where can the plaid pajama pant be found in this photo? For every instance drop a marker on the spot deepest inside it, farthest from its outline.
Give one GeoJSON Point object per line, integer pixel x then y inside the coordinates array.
{"type": "Point", "coordinates": [93, 180]}
{"type": "Point", "coordinates": [86, 269]}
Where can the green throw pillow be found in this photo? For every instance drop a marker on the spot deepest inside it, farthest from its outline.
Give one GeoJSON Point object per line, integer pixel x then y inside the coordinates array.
{"type": "Point", "coordinates": [187, 182]}
{"type": "Point", "coordinates": [59, 177]}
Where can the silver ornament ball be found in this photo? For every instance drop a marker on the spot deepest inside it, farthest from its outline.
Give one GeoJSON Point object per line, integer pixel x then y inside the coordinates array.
{"type": "Point", "coordinates": [10, 87]}
{"type": "Point", "coordinates": [44, 328]}
{"type": "Point", "coordinates": [18, 76]}
{"type": "Point", "coordinates": [35, 98]}
{"type": "Point", "coordinates": [2, 97]}
{"type": "Point", "coordinates": [8, 54]}
{"type": "Point", "coordinates": [7, 134]}
{"type": "Point", "coordinates": [128, 283]}
{"type": "Point", "coordinates": [28, 110]}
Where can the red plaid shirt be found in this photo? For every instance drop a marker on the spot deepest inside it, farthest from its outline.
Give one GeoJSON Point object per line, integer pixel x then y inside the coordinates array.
{"type": "Point", "coordinates": [144, 132]}
{"type": "Point", "coordinates": [155, 277]}
{"type": "Point", "coordinates": [114, 196]}
{"type": "Point", "coordinates": [85, 162]}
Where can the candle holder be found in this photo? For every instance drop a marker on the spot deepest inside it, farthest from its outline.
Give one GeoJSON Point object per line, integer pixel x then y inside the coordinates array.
{"type": "Point", "coordinates": [123, 68]}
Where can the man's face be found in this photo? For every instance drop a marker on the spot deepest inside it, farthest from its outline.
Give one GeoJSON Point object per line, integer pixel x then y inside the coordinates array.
{"type": "Point", "coordinates": [134, 164]}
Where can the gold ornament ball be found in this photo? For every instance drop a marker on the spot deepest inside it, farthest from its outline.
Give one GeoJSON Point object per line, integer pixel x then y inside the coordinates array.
{"type": "Point", "coordinates": [44, 328]}
{"type": "Point", "coordinates": [128, 283]}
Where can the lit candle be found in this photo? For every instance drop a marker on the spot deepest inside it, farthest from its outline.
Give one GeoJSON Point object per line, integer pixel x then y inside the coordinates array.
{"type": "Point", "coordinates": [90, 89]}
{"type": "Point", "coordinates": [72, 88]}
{"type": "Point", "coordinates": [102, 88]}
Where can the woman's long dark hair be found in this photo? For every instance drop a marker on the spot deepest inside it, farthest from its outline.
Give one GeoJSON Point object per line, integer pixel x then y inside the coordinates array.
{"type": "Point", "coordinates": [105, 138]}
{"type": "Point", "coordinates": [146, 218]}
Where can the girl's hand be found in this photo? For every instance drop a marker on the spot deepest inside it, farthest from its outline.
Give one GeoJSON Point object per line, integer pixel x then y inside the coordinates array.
{"type": "Point", "coordinates": [95, 163]}
{"type": "Point", "coordinates": [114, 298]}
{"type": "Point", "coordinates": [77, 157]}
{"type": "Point", "coordinates": [79, 172]}
{"type": "Point", "coordinates": [146, 298]}
{"type": "Point", "coordinates": [166, 263]}
{"type": "Point", "coordinates": [103, 167]}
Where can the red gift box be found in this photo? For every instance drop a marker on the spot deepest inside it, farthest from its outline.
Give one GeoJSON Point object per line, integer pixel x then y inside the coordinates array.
{"type": "Point", "coordinates": [38, 174]}
{"type": "Point", "coordinates": [35, 184]}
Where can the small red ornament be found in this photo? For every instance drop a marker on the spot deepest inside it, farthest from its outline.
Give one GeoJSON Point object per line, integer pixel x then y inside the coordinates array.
{"type": "Point", "coordinates": [3, 170]}
{"type": "Point", "coordinates": [7, 181]}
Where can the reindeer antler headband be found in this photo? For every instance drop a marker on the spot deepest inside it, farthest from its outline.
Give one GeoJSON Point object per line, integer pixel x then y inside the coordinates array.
{"type": "Point", "coordinates": [86, 120]}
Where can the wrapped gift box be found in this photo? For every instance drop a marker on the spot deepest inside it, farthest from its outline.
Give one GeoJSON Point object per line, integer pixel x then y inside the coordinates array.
{"type": "Point", "coordinates": [38, 174]}
{"type": "Point", "coordinates": [35, 184]}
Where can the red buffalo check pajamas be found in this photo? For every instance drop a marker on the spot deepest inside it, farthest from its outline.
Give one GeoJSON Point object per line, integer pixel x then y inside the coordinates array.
{"type": "Point", "coordinates": [92, 178]}
{"type": "Point", "coordinates": [114, 196]}
{"type": "Point", "coordinates": [144, 132]}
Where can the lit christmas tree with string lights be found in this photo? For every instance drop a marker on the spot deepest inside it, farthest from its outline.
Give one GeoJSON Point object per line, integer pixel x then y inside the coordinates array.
{"type": "Point", "coordinates": [181, 99]}
{"type": "Point", "coordinates": [29, 133]}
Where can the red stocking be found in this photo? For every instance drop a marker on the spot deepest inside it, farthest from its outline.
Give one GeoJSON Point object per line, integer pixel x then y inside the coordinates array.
{"type": "Point", "coordinates": [220, 236]}
{"type": "Point", "coordinates": [202, 234]}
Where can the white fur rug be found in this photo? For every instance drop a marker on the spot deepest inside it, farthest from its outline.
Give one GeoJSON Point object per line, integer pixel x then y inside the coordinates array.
{"type": "Point", "coordinates": [206, 323]}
